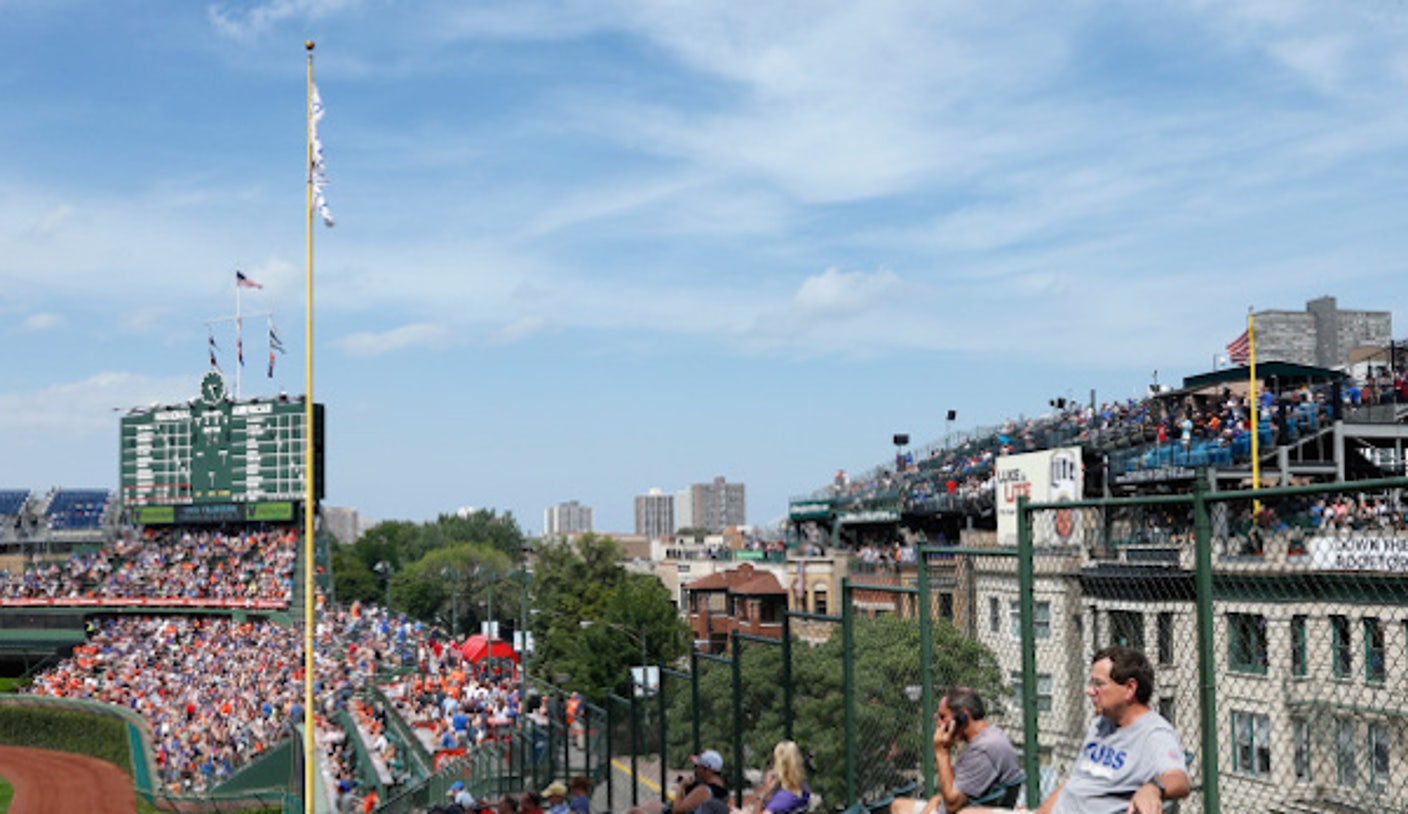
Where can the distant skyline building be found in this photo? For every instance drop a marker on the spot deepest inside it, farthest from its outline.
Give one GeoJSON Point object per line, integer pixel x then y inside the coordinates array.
{"type": "Point", "coordinates": [684, 510]}
{"type": "Point", "coordinates": [569, 517]}
{"type": "Point", "coordinates": [655, 514]}
{"type": "Point", "coordinates": [716, 505]}
{"type": "Point", "coordinates": [1322, 335]}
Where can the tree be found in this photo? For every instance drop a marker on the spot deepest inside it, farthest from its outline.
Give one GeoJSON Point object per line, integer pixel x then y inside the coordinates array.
{"type": "Point", "coordinates": [889, 732]}
{"type": "Point", "coordinates": [594, 617]}
{"type": "Point", "coordinates": [352, 580]}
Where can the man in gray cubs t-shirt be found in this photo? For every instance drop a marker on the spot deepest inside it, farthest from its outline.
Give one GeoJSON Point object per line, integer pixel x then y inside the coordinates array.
{"type": "Point", "coordinates": [1132, 760]}
{"type": "Point", "coordinates": [1116, 760]}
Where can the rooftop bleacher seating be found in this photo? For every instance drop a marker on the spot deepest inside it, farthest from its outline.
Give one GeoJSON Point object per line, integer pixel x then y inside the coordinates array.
{"type": "Point", "coordinates": [12, 501]}
{"type": "Point", "coordinates": [77, 508]}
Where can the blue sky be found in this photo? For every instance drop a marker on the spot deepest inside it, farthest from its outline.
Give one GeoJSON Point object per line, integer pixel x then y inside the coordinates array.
{"type": "Point", "coordinates": [588, 248]}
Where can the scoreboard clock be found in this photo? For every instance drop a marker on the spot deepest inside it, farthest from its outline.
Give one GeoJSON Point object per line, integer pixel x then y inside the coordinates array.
{"type": "Point", "coordinates": [216, 450]}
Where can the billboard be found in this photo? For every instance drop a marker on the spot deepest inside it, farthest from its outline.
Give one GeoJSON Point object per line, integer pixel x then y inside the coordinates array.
{"type": "Point", "coordinates": [215, 450]}
{"type": "Point", "coordinates": [1042, 477]}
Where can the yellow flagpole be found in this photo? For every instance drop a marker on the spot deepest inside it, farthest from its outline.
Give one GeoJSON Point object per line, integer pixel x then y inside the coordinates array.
{"type": "Point", "coordinates": [309, 560]}
{"type": "Point", "coordinates": [1256, 422]}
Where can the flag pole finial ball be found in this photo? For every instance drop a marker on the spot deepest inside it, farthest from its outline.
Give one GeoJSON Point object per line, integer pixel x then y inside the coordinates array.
{"type": "Point", "coordinates": [308, 45]}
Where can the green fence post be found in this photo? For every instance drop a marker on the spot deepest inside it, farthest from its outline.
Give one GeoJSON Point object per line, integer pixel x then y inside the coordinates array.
{"type": "Point", "coordinates": [1207, 680]}
{"type": "Point", "coordinates": [635, 752]}
{"type": "Point", "coordinates": [926, 670]}
{"type": "Point", "coordinates": [664, 713]}
{"type": "Point", "coordinates": [694, 697]}
{"type": "Point", "coordinates": [787, 675]}
{"type": "Point", "coordinates": [1026, 586]}
{"type": "Point", "coordinates": [736, 648]}
{"type": "Point", "coordinates": [848, 679]}
{"type": "Point", "coordinates": [610, 775]}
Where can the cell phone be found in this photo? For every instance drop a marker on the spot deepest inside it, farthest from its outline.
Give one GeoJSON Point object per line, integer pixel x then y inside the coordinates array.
{"type": "Point", "coordinates": [960, 719]}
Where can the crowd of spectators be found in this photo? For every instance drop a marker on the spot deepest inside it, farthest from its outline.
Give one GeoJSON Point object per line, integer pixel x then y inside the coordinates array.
{"type": "Point", "coordinates": [170, 564]}
{"type": "Point", "coordinates": [960, 476]}
{"type": "Point", "coordinates": [218, 692]}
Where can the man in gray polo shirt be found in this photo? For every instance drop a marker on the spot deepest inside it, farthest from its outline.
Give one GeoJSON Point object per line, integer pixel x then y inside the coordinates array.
{"type": "Point", "coordinates": [986, 761]}
{"type": "Point", "coordinates": [1132, 759]}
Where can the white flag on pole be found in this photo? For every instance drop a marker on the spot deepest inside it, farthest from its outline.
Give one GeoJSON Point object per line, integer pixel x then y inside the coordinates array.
{"type": "Point", "coordinates": [319, 169]}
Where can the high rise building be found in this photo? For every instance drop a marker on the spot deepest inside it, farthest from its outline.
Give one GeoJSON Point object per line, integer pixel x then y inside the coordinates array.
{"type": "Point", "coordinates": [716, 505]}
{"type": "Point", "coordinates": [684, 510]}
{"type": "Point", "coordinates": [1322, 335]}
{"type": "Point", "coordinates": [566, 518]}
{"type": "Point", "coordinates": [655, 514]}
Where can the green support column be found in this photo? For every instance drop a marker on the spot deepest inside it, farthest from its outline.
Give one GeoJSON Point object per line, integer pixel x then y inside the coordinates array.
{"type": "Point", "coordinates": [1207, 677]}
{"type": "Point", "coordinates": [736, 651]}
{"type": "Point", "coordinates": [664, 763]}
{"type": "Point", "coordinates": [849, 683]}
{"type": "Point", "coordinates": [926, 670]}
{"type": "Point", "coordinates": [610, 776]}
{"type": "Point", "coordinates": [787, 675]}
{"type": "Point", "coordinates": [1026, 586]}
{"type": "Point", "coordinates": [694, 698]}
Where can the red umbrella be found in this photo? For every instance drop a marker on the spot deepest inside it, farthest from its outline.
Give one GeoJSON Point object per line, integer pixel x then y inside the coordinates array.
{"type": "Point", "coordinates": [479, 647]}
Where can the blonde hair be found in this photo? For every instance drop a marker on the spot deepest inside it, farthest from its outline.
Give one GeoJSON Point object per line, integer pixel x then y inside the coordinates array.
{"type": "Point", "coordinates": [787, 764]}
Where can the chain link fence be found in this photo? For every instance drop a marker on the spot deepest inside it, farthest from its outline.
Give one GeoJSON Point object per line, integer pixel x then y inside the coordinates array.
{"type": "Point", "coordinates": [1277, 623]}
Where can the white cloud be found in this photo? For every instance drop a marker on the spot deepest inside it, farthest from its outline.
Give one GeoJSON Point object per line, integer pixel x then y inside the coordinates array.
{"type": "Point", "coordinates": [418, 335]}
{"type": "Point", "coordinates": [247, 23]}
{"type": "Point", "coordinates": [89, 405]}
{"type": "Point", "coordinates": [520, 329]}
{"type": "Point", "coordinates": [41, 322]}
{"type": "Point", "coordinates": [52, 221]}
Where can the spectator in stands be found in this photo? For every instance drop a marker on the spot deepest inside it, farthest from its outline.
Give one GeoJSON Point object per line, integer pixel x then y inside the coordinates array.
{"type": "Point", "coordinates": [556, 796]}
{"type": "Point", "coordinates": [579, 795]}
{"type": "Point", "coordinates": [1132, 760]}
{"type": "Point", "coordinates": [703, 791]}
{"type": "Point", "coordinates": [784, 789]}
{"type": "Point", "coordinates": [988, 759]}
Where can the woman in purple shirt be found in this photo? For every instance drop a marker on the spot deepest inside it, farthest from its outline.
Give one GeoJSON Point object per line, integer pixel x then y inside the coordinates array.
{"type": "Point", "coordinates": [785, 784]}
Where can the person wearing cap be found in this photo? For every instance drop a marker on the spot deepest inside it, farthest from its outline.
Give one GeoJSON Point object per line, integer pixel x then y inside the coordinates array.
{"type": "Point", "coordinates": [556, 797]}
{"type": "Point", "coordinates": [702, 792]}
{"type": "Point", "coordinates": [460, 798]}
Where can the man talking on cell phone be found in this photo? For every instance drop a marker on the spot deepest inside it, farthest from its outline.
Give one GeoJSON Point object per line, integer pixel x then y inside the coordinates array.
{"type": "Point", "coordinates": [987, 759]}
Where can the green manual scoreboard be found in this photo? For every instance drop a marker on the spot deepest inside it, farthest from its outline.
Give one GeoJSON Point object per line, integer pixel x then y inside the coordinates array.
{"type": "Point", "coordinates": [214, 459]}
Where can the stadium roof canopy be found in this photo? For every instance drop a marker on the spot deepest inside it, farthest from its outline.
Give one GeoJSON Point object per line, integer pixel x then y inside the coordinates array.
{"type": "Point", "coordinates": [1283, 372]}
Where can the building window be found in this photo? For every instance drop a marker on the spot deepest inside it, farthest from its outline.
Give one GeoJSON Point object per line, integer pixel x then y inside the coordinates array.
{"type": "Point", "coordinates": [1165, 638]}
{"type": "Point", "coordinates": [946, 606]}
{"type": "Point", "coordinates": [1044, 692]}
{"type": "Point", "coordinates": [1041, 619]}
{"type": "Point", "coordinates": [1343, 654]}
{"type": "Point", "coordinates": [994, 615]}
{"type": "Point", "coordinates": [1127, 629]}
{"type": "Point", "coordinates": [1251, 736]}
{"type": "Point", "coordinates": [1300, 732]}
{"type": "Point", "coordinates": [1378, 756]}
{"type": "Point", "coordinates": [1345, 769]}
{"type": "Point", "coordinates": [819, 600]}
{"type": "Point", "coordinates": [1246, 643]}
{"type": "Point", "coordinates": [1300, 663]}
{"type": "Point", "coordinates": [1166, 708]}
{"type": "Point", "coordinates": [1373, 650]}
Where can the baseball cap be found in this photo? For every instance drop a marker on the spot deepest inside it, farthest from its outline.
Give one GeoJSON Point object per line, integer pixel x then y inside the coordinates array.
{"type": "Point", "coordinates": [709, 759]}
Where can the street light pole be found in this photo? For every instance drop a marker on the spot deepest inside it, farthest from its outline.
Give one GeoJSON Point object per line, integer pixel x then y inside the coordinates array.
{"type": "Point", "coordinates": [386, 570]}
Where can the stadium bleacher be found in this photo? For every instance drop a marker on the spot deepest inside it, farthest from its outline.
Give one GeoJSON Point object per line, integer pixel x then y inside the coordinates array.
{"type": "Point", "coordinates": [71, 509]}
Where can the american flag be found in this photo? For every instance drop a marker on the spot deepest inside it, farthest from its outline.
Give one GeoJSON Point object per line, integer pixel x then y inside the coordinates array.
{"type": "Point", "coordinates": [1239, 350]}
{"type": "Point", "coordinates": [242, 281]}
